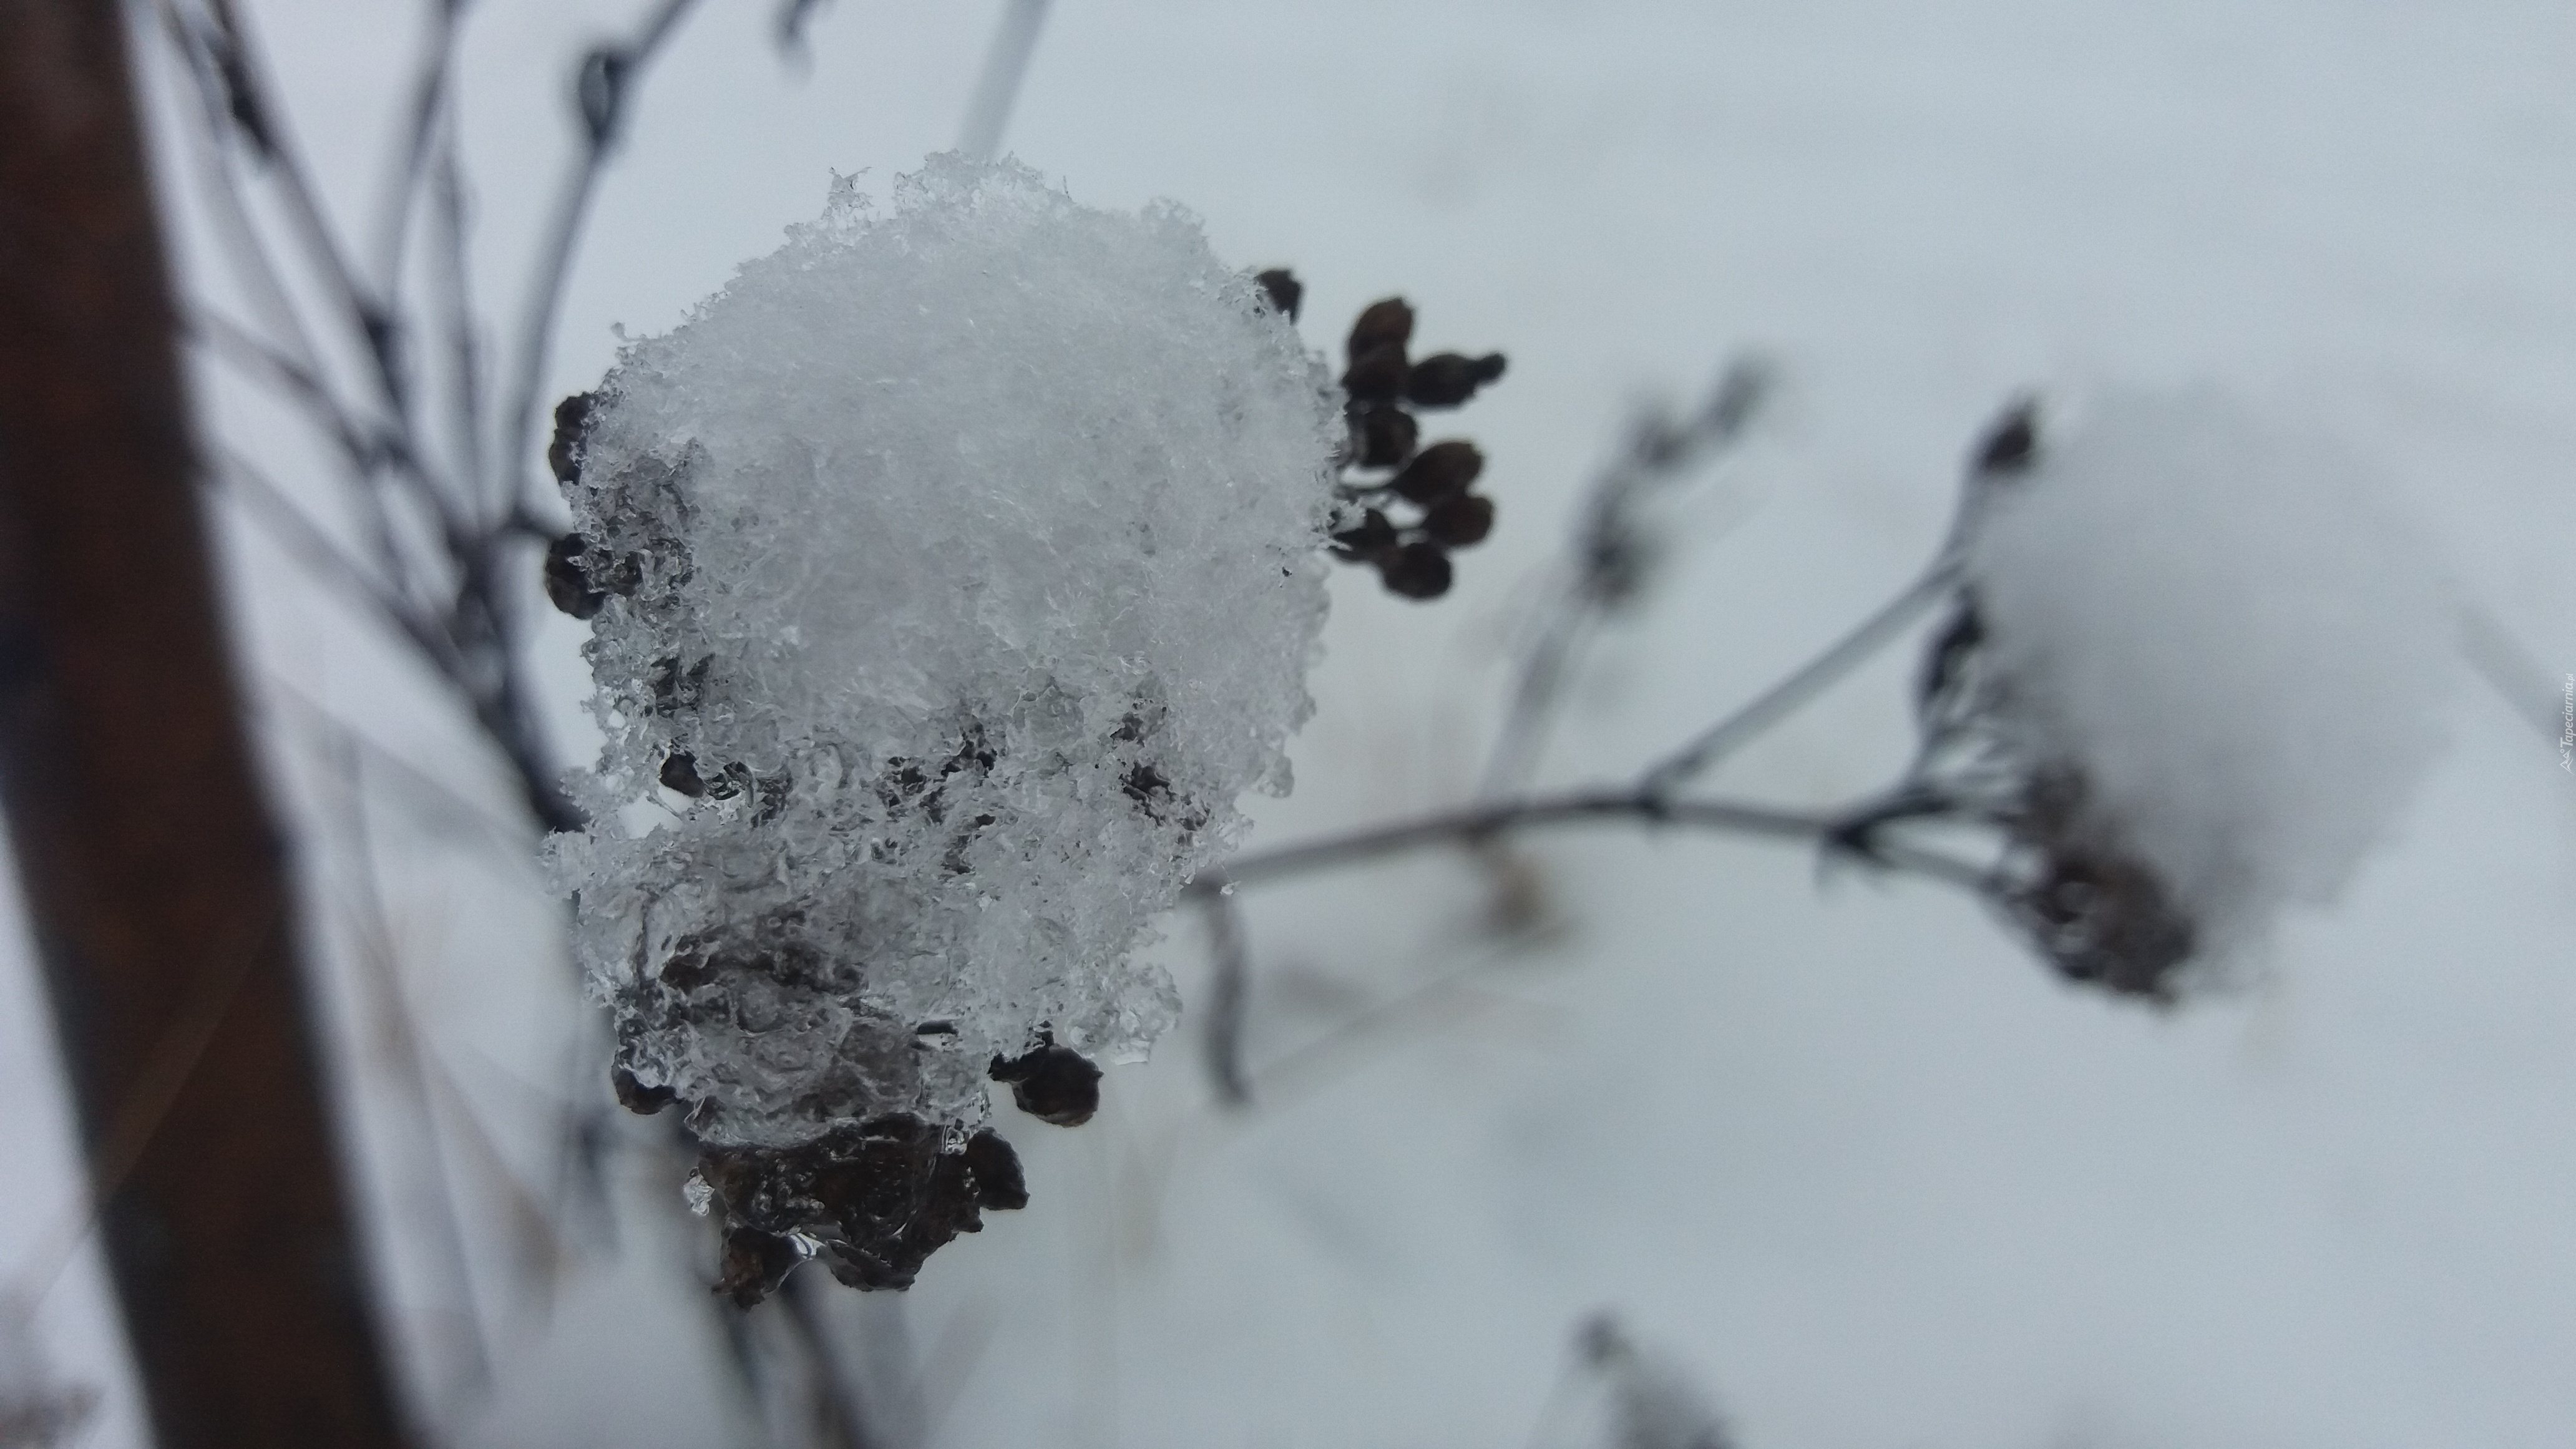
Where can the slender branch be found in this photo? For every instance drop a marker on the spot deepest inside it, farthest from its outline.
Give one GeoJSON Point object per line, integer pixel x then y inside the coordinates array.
{"type": "Point", "coordinates": [603, 88]}
{"type": "Point", "coordinates": [296, 380]}
{"type": "Point", "coordinates": [241, 243]}
{"type": "Point", "coordinates": [1213, 889]}
{"type": "Point", "coordinates": [509, 835]}
{"type": "Point", "coordinates": [1535, 692]}
{"type": "Point", "coordinates": [1610, 556]}
{"type": "Point", "coordinates": [2517, 678]}
{"type": "Point", "coordinates": [377, 460]}
{"type": "Point", "coordinates": [839, 1417]}
{"type": "Point", "coordinates": [1615, 806]}
{"type": "Point", "coordinates": [256, 112]}
{"type": "Point", "coordinates": [129, 1130]}
{"type": "Point", "coordinates": [397, 1031]}
{"type": "Point", "coordinates": [1222, 1040]}
{"type": "Point", "coordinates": [1006, 65]}
{"type": "Point", "coordinates": [488, 485]}
{"type": "Point", "coordinates": [298, 532]}
{"type": "Point", "coordinates": [1771, 706]}
{"type": "Point", "coordinates": [411, 170]}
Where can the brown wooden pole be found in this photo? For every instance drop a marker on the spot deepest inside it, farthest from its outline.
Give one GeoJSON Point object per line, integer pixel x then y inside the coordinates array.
{"type": "Point", "coordinates": [155, 881]}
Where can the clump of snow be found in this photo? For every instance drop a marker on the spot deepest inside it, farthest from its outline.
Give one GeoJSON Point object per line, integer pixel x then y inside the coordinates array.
{"type": "Point", "coordinates": [2220, 646]}
{"type": "Point", "coordinates": [959, 569]}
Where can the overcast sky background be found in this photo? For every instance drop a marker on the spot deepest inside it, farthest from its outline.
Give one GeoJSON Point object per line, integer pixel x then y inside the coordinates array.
{"type": "Point", "coordinates": [1846, 1151]}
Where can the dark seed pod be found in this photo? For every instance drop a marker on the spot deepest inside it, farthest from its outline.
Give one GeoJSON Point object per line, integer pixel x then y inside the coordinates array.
{"type": "Point", "coordinates": [2106, 921]}
{"type": "Point", "coordinates": [636, 1097]}
{"type": "Point", "coordinates": [568, 584]}
{"type": "Point", "coordinates": [999, 1183]}
{"type": "Point", "coordinates": [572, 422]}
{"type": "Point", "coordinates": [676, 688]}
{"type": "Point", "coordinates": [1375, 376]}
{"type": "Point", "coordinates": [1373, 535]}
{"type": "Point", "coordinates": [1383, 437]}
{"type": "Point", "coordinates": [1053, 1084]}
{"type": "Point", "coordinates": [755, 1263]}
{"type": "Point", "coordinates": [1460, 520]}
{"type": "Point", "coordinates": [1444, 380]}
{"type": "Point", "coordinates": [2011, 443]}
{"type": "Point", "coordinates": [1439, 471]}
{"type": "Point", "coordinates": [1946, 662]}
{"type": "Point", "coordinates": [1144, 782]}
{"type": "Point", "coordinates": [1387, 323]}
{"type": "Point", "coordinates": [1417, 570]}
{"type": "Point", "coordinates": [680, 773]}
{"type": "Point", "coordinates": [1284, 290]}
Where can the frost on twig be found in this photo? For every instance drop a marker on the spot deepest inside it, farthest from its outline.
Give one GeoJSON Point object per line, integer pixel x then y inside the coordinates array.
{"type": "Point", "coordinates": [2193, 667]}
{"type": "Point", "coordinates": [950, 574]}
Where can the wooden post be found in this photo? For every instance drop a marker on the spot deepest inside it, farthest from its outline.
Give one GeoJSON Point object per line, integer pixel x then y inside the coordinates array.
{"type": "Point", "coordinates": [155, 881]}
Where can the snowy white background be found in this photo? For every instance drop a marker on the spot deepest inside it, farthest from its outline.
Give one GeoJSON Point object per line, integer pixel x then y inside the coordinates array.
{"type": "Point", "coordinates": [1846, 1152]}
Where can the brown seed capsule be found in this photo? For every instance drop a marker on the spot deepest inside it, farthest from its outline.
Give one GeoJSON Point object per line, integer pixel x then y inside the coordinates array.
{"type": "Point", "coordinates": [1144, 782]}
{"type": "Point", "coordinates": [572, 421]}
{"type": "Point", "coordinates": [1439, 471]}
{"type": "Point", "coordinates": [1387, 323]}
{"type": "Point", "coordinates": [1372, 535]}
{"type": "Point", "coordinates": [1375, 376]}
{"type": "Point", "coordinates": [2011, 442]}
{"type": "Point", "coordinates": [1284, 290]}
{"type": "Point", "coordinates": [1053, 1084]}
{"type": "Point", "coordinates": [1383, 437]}
{"type": "Point", "coordinates": [999, 1183]}
{"type": "Point", "coordinates": [636, 1097]}
{"type": "Point", "coordinates": [755, 1263]}
{"type": "Point", "coordinates": [1460, 520]}
{"type": "Point", "coordinates": [1417, 570]}
{"type": "Point", "coordinates": [680, 773]}
{"type": "Point", "coordinates": [568, 585]}
{"type": "Point", "coordinates": [1444, 380]}
{"type": "Point", "coordinates": [1946, 662]}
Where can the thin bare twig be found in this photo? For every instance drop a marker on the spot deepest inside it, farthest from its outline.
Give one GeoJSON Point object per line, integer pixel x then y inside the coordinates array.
{"type": "Point", "coordinates": [241, 243]}
{"type": "Point", "coordinates": [2526, 689]}
{"type": "Point", "coordinates": [1630, 805]}
{"type": "Point", "coordinates": [603, 88]}
{"type": "Point", "coordinates": [1229, 987]}
{"type": "Point", "coordinates": [429, 115]}
{"type": "Point", "coordinates": [510, 836]}
{"type": "Point", "coordinates": [1213, 888]}
{"type": "Point", "coordinates": [1772, 705]}
{"type": "Point", "coordinates": [839, 1417]}
{"type": "Point", "coordinates": [372, 929]}
{"type": "Point", "coordinates": [304, 537]}
{"type": "Point", "coordinates": [256, 113]}
{"type": "Point", "coordinates": [139, 1114]}
{"type": "Point", "coordinates": [1006, 66]}
{"type": "Point", "coordinates": [1609, 560]}
{"type": "Point", "coordinates": [489, 486]}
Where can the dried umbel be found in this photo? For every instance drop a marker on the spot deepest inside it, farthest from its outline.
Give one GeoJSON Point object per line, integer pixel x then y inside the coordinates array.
{"type": "Point", "coordinates": [950, 574]}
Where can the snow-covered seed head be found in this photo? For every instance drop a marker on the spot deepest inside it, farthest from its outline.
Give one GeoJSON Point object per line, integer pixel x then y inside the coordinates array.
{"type": "Point", "coordinates": [957, 568]}
{"type": "Point", "coordinates": [2197, 666]}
